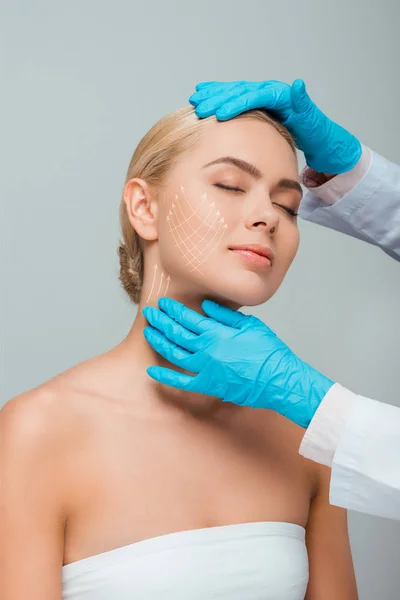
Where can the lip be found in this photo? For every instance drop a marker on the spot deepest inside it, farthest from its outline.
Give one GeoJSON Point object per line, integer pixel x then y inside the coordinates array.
{"type": "Point", "coordinates": [261, 255]}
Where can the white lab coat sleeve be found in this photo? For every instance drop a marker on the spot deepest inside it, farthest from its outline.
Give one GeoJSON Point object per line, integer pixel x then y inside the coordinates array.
{"type": "Point", "coordinates": [370, 211]}
{"type": "Point", "coordinates": [360, 439]}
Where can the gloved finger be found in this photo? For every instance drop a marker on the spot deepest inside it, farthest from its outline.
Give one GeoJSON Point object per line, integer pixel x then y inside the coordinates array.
{"type": "Point", "coordinates": [173, 353]}
{"type": "Point", "coordinates": [217, 90]}
{"type": "Point", "coordinates": [218, 87]}
{"type": "Point", "coordinates": [301, 101]}
{"type": "Point", "coordinates": [172, 378]}
{"type": "Point", "coordinates": [266, 98]}
{"type": "Point", "coordinates": [224, 315]}
{"type": "Point", "coordinates": [204, 84]}
{"type": "Point", "coordinates": [211, 105]}
{"type": "Point", "coordinates": [210, 90]}
{"type": "Point", "coordinates": [190, 319]}
{"type": "Point", "coordinates": [171, 329]}
{"type": "Point", "coordinates": [204, 96]}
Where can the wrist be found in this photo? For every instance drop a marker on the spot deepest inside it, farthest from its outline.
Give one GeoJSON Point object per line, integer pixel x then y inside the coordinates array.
{"type": "Point", "coordinates": [319, 387]}
{"type": "Point", "coordinates": [313, 179]}
{"type": "Point", "coordinates": [336, 155]}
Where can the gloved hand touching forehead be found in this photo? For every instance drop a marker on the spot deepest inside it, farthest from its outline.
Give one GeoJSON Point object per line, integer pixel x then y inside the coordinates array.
{"type": "Point", "coordinates": [233, 356]}
{"type": "Point", "coordinates": [328, 147]}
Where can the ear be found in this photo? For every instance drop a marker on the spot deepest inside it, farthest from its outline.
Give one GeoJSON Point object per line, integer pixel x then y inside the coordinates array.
{"type": "Point", "coordinates": [142, 208]}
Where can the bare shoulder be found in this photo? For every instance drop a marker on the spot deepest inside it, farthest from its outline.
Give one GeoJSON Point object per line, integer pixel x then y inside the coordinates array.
{"type": "Point", "coordinates": [59, 400]}
{"type": "Point", "coordinates": [46, 420]}
{"type": "Point", "coordinates": [33, 418]}
{"type": "Point", "coordinates": [40, 417]}
{"type": "Point", "coordinates": [55, 419]}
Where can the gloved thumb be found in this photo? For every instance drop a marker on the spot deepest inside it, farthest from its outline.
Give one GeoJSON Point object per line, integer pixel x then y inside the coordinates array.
{"type": "Point", "coordinates": [301, 101]}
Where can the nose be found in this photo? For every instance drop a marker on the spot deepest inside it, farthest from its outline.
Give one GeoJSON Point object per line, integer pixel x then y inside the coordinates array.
{"type": "Point", "coordinates": [262, 215]}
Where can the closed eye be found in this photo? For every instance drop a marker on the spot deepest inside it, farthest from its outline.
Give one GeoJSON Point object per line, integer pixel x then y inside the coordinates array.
{"type": "Point", "coordinates": [288, 210]}
{"type": "Point", "coordinates": [228, 188]}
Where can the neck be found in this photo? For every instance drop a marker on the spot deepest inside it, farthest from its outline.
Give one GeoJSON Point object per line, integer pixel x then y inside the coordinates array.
{"type": "Point", "coordinates": [139, 350]}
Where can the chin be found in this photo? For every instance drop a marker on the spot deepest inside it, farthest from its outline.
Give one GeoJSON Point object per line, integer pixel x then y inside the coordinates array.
{"type": "Point", "coordinates": [248, 289]}
{"type": "Point", "coordinates": [237, 301]}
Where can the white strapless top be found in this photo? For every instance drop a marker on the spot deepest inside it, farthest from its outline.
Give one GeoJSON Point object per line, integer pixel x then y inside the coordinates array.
{"type": "Point", "coordinates": [248, 561]}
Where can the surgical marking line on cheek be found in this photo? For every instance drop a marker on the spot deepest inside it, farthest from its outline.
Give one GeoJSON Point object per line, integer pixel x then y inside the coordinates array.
{"type": "Point", "coordinates": [188, 255]}
{"type": "Point", "coordinates": [177, 226]}
{"type": "Point", "coordinates": [183, 215]}
{"type": "Point", "coordinates": [180, 240]}
{"type": "Point", "coordinates": [204, 238]}
{"type": "Point", "coordinates": [222, 230]}
{"type": "Point", "coordinates": [204, 222]}
{"type": "Point", "coordinates": [202, 250]}
{"type": "Point", "coordinates": [185, 219]}
{"type": "Point", "coordinates": [194, 212]}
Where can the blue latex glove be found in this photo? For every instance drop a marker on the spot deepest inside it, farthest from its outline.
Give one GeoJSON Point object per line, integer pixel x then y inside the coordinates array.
{"type": "Point", "coordinates": [235, 357]}
{"type": "Point", "coordinates": [328, 147]}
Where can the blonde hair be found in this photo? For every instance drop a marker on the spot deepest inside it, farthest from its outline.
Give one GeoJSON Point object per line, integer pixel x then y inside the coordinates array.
{"type": "Point", "coordinates": [154, 156]}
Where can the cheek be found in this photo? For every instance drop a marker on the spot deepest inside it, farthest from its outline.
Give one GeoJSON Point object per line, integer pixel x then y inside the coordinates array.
{"type": "Point", "coordinates": [192, 229]}
{"type": "Point", "coordinates": [287, 244]}
{"type": "Point", "coordinates": [295, 241]}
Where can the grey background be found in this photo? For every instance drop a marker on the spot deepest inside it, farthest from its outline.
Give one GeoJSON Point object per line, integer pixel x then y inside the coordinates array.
{"type": "Point", "coordinates": [85, 80]}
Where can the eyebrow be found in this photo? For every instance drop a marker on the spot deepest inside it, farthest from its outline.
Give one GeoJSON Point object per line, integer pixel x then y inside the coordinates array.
{"type": "Point", "coordinates": [285, 183]}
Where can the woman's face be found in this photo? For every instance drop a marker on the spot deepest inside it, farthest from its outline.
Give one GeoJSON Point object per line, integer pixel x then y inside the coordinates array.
{"type": "Point", "coordinates": [212, 207]}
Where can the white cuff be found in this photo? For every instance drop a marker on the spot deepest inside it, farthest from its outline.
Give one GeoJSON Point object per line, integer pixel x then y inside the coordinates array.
{"type": "Point", "coordinates": [340, 185]}
{"type": "Point", "coordinates": [322, 436]}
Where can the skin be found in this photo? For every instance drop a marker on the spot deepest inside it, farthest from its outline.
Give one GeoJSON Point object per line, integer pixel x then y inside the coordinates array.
{"type": "Point", "coordinates": [102, 456]}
